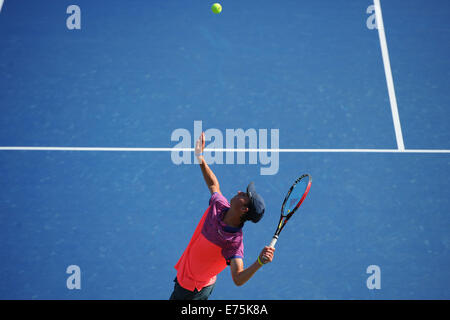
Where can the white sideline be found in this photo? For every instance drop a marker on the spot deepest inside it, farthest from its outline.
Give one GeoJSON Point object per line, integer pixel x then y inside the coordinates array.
{"type": "Point", "coordinates": [388, 72]}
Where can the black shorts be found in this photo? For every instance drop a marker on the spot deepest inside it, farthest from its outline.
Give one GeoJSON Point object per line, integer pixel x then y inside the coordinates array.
{"type": "Point", "coordinates": [180, 293]}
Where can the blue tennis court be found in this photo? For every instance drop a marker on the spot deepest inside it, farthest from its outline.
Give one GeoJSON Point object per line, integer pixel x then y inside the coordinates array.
{"type": "Point", "coordinates": [89, 150]}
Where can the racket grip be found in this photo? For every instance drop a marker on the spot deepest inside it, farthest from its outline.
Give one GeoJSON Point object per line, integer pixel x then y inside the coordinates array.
{"type": "Point", "coordinates": [274, 240]}
{"type": "Point", "coordinates": [272, 244]}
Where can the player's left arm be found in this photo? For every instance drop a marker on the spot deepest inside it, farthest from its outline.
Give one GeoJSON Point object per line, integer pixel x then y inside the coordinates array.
{"type": "Point", "coordinates": [241, 275]}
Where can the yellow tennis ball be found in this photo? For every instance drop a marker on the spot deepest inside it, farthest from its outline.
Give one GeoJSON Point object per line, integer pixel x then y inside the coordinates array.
{"type": "Point", "coordinates": [216, 8]}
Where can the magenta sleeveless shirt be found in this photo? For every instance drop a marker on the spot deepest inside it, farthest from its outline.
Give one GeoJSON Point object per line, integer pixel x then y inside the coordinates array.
{"type": "Point", "coordinates": [211, 247]}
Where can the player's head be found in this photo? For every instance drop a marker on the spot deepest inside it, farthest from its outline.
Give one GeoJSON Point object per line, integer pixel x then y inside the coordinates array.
{"type": "Point", "coordinates": [240, 203]}
{"type": "Point", "coordinates": [256, 205]}
{"type": "Point", "coordinates": [249, 204]}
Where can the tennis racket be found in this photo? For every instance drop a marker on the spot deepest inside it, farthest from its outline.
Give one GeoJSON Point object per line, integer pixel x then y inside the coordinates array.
{"type": "Point", "coordinates": [293, 200]}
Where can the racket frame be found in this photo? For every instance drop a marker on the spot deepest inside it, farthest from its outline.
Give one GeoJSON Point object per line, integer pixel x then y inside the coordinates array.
{"type": "Point", "coordinates": [284, 218]}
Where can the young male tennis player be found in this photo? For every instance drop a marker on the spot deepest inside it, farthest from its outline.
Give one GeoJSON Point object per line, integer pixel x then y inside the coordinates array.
{"type": "Point", "coordinates": [218, 239]}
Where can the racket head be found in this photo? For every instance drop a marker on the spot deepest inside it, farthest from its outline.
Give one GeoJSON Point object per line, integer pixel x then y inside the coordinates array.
{"type": "Point", "coordinates": [296, 195]}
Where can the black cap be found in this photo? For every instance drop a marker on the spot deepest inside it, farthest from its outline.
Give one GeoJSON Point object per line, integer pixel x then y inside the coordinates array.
{"type": "Point", "coordinates": [257, 206]}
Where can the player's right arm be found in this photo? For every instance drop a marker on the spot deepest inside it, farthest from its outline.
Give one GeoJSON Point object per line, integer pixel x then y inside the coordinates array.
{"type": "Point", "coordinates": [241, 275]}
{"type": "Point", "coordinates": [210, 179]}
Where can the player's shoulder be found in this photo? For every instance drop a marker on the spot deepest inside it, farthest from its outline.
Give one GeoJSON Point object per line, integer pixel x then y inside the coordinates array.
{"type": "Point", "coordinates": [218, 197]}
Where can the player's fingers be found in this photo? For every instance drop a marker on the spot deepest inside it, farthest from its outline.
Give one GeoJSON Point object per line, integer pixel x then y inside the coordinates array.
{"type": "Point", "coordinates": [269, 249]}
{"type": "Point", "coordinates": [267, 253]}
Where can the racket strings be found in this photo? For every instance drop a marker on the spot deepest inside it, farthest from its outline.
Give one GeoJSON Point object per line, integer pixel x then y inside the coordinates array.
{"type": "Point", "coordinates": [295, 196]}
{"type": "Point", "coordinates": [293, 200]}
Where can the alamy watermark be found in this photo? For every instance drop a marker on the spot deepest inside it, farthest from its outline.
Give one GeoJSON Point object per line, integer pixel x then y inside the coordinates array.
{"type": "Point", "coordinates": [74, 280]}
{"type": "Point", "coordinates": [233, 147]}
{"type": "Point", "coordinates": [73, 22]}
{"type": "Point", "coordinates": [374, 280]}
{"type": "Point", "coordinates": [371, 21]}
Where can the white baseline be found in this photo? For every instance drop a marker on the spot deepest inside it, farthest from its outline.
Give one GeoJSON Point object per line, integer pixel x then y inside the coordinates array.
{"type": "Point", "coordinates": [112, 149]}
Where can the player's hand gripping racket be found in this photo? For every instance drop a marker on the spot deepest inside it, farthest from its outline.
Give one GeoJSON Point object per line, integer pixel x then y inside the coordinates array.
{"type": "Point", "coordinates": [293, 200]}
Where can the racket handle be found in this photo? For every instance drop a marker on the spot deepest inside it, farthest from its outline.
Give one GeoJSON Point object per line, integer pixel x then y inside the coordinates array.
{"type": "Point", "coordinates": [274, 240]}
{"type": "Point", "coordinates": [272, 244]}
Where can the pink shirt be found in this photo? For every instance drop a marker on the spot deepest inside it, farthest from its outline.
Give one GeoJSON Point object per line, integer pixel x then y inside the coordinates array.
{"type": "Point", "coordinates": [211, 247]}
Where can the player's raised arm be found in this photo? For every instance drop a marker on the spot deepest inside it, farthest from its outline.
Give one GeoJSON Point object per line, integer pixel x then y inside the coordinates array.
{"type": "Point", "coordinates": [210, 179]}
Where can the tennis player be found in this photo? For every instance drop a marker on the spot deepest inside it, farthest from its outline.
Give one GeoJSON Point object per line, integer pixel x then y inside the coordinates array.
{"type": "Point", "coordinates": [218, 239]}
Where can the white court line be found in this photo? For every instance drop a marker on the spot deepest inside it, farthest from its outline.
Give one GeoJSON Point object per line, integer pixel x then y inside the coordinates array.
{"type": "Point", "coordinates": [388, 72]}
{"type": "Point", "coordinates": [1, 5]}
{"type": "Point", "coordinates": [94, 149]}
